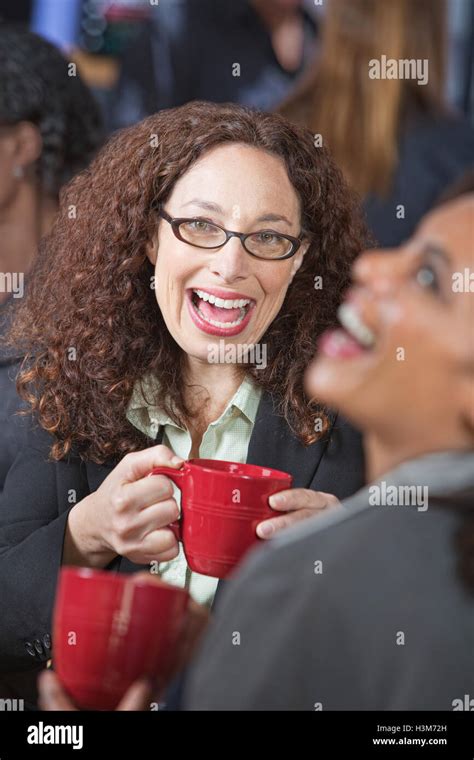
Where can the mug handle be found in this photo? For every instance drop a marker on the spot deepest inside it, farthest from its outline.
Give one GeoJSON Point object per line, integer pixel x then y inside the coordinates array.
{"type": "Point", "coordinates": [177, 477]}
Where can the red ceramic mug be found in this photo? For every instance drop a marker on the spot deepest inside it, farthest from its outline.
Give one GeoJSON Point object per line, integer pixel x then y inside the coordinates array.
{"type": "Point", "coordinates": [221, 505]}
{"type": "Point", "coordinates": [109, 630]}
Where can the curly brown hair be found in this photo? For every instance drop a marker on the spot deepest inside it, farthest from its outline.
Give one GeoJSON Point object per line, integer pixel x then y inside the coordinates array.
{"type": "Point", "coordinates": [90, 290]}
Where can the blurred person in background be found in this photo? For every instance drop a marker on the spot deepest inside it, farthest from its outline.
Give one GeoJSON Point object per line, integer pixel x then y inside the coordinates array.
{"type": "Point", "coordinates": [397, 142]}
{"type": "Point", "coordinates": [241, 51]}
{"type": "Point", "coordinates": [50, 127]}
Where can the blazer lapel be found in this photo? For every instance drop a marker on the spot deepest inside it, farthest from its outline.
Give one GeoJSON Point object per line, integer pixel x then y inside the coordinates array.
{"type": "Point", "coordinates": [272, 444]}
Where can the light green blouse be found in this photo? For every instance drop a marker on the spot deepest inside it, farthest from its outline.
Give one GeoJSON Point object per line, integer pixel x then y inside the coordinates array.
{"type": "Point", "coordinates": [227, 437]}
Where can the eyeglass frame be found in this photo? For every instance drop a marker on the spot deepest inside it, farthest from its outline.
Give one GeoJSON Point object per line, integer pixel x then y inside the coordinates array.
{"type": "Point", "coordinates": [175, 223]}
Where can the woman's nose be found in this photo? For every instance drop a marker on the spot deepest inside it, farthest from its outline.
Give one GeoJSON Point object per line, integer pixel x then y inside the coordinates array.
{"type": "Point", "coordinates": [231, 262]}
{"type": "Point", "coordinates": [381, 270]}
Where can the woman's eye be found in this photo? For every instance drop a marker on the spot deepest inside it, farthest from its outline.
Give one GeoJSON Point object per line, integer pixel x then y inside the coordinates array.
{"type": "Point", "coordinates": [267, 237]}
{"type": "Point", "coordinates": [426, 277]}
{"type": "Point", "coordinates": [199, 226]}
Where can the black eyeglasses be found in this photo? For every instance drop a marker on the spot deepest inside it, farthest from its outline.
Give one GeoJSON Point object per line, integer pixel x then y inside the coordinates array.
{"type": "Point", "coordinates": [265, 244]}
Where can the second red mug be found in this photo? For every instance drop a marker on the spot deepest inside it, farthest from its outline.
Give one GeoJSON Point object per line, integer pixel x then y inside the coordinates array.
{"type": "Point", "coordinates": [221, 505]}
{"type": "Point", "coordinates": [111, 629]}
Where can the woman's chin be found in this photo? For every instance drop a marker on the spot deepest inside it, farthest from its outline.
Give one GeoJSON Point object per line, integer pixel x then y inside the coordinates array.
{"type": "Point", "coordinates": [319, 379]}
{"type": "Point", "coordinates": [341, 366]}
{"type": "Point", "coordinates": [333, 380]}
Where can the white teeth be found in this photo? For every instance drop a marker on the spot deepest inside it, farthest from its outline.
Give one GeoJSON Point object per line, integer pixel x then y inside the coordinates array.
{"type": "Point", "coordinates": [221, 303]}
{"type": "Point", "coordinates": [350, 319]}
{"type": "Point", "coordinates": [221, 324]}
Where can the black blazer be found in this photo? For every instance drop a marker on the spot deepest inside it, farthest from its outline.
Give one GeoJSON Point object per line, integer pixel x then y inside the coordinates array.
{"type": "Point", "coordinates": [39, 494]}
{"type": "Point", "coordinates": [12, 427]}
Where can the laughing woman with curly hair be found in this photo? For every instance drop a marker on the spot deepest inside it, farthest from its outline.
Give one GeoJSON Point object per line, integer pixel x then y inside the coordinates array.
{"type": "Point", "coordinates": [201, 228]}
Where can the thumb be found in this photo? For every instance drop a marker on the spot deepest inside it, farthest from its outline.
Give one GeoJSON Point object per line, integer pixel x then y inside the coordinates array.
{"type": "Point", "coordinates": [140, 463]}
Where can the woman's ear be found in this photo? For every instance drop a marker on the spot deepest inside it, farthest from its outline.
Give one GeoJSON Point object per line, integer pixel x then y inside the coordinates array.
{"type": "Point", "coordinates": [28, 144]}
{"type": "Point", "coordinates": [152, 251]}
{"type": "Point", "coordinates": [23, 147]}
{"type": "Point", "coordinates": [298, 259]}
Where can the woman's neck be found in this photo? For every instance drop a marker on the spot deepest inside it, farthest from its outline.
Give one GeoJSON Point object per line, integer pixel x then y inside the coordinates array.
{"type": "Point", "coordinates": [22, 225]}
{"type": "Point", "coordinates": [383, 455]}
{"type": "Point", "coordinates": [210, 387]}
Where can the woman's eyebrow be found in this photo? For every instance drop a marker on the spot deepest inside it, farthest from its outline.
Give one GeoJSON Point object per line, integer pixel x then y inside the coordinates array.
{"type": "Point", "coordinates": [209, 206]}
{"type": "Point", "coordinates": [274, 218]}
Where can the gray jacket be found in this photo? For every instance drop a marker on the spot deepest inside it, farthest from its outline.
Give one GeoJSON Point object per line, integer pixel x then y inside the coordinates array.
{"type": "Point", "coordinates": [359, 610]}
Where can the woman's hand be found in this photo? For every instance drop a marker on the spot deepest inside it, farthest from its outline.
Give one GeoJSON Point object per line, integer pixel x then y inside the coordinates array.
{"type": "Point", "coordinates": [298, 504]}
{"type": "Point", "coordinates": [127, 515]}
{"type": "Point", "coordinates": [52, 696]}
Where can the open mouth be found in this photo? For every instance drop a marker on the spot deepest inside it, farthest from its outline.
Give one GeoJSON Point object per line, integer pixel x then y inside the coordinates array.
{"type": "Point", "coordinates": [217, 315]}
{"type": "Point", "coordinates": [354, 338]}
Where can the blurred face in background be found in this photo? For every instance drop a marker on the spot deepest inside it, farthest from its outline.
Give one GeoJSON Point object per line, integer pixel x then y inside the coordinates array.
{"type": "Point", "coordinates": [239, 188]}
{"type": "Point", "coordinates": [402, 364]}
